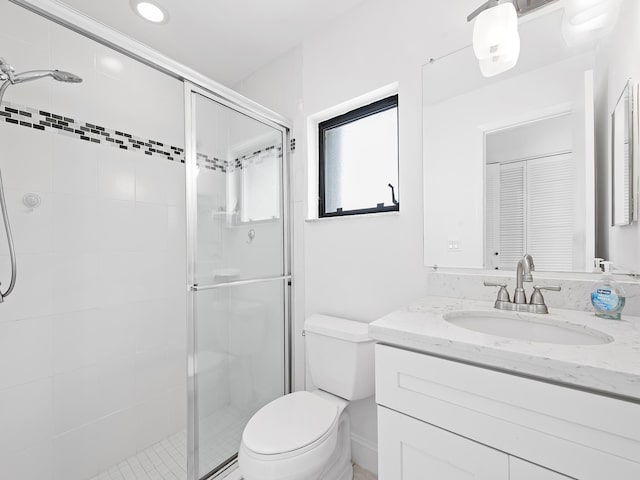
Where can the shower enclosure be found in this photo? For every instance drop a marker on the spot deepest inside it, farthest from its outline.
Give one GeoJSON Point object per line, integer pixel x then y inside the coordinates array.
{"type": "Point", "coordinates": [238, 273]}
{"type": "Point", "coordinates": [149, 207]}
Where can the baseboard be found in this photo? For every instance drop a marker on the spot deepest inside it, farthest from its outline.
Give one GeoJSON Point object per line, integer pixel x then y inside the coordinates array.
{"type": "Point", "coordinates": [365, 453]}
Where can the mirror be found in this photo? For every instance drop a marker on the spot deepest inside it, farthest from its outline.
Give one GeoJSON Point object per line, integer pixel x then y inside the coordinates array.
{"type": "Point", "coordinates": [522, 162]}
{"type": "Point", "coordinates": [622, 155]}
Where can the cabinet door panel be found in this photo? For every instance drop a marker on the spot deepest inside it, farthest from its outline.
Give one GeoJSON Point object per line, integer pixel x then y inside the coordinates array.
{"type": "Point", "coordinates": [413, 450]}
{"type": "Point", "coordinates": [521, 470]}
{"type": "Point", "coordinates": [546, 424]}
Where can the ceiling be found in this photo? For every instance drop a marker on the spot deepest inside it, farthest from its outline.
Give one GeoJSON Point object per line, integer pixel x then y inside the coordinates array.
{"type": "Point", "coordinates": [226, 40]}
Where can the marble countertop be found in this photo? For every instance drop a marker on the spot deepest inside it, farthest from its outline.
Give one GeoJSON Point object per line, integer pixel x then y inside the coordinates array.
{"type": "Point", "coordinates": [613, 367]}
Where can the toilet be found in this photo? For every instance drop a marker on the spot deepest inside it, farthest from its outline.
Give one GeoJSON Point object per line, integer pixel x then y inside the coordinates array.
{"type": "Point", "coordinates": [306, 435]}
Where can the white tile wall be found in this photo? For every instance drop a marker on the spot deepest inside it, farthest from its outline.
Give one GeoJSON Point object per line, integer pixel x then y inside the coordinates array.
{"type": "Point", "coordinates": [32, 231]}
{"type": "Point", "coordinates": [92, 342]}
{"type": "Point", "coordinates": [117, 178]}
{"type": "Point", "coordinates": [75, 166]}
{"type": "Point", "coordinates": [23, 466]}
{"type": "Point", "coordinates": [81, 396]}
{"type": "Point", "coordinates": [26, 415]}
{"type": "Point", "coordinates": [118, 225]}
{"type": "Point", "coordinates": [25, 351]}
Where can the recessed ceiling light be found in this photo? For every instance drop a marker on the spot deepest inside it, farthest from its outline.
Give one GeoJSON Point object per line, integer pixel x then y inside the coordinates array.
{"type": "Point", "coordinates": [150, 11]}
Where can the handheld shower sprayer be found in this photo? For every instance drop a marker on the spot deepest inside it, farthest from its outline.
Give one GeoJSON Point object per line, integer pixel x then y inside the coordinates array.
{"type": "Point", "coordinates": [9, 77]}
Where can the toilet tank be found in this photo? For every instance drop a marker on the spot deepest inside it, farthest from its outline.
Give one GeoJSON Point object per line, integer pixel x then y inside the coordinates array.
{"type": "Point", "coordinates": [340, 356]}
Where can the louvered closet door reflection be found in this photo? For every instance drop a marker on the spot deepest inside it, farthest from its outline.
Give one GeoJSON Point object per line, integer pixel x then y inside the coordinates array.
{"type": "Point", "coordinates": [530, 209]}
{"type": "Point", "coordinates": [512, 214]}
{"type": "Point", "coordinates": [550, 212]}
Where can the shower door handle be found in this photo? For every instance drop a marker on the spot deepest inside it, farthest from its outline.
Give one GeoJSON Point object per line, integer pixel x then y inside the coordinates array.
{"type": "Point", "coordinates": [196, 287]}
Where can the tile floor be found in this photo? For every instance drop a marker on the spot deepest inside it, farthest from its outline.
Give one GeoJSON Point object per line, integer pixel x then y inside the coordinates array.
{"type": "Point", "coordinates": [360, 473]}
{"type": "Point", "coordinates": [220, 435]}
{"type": "Point", "coordinates": [166, 460]}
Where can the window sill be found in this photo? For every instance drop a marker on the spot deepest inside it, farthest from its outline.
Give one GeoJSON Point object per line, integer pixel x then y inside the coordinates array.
{"type": "Point", "coordinates": [353, 217]}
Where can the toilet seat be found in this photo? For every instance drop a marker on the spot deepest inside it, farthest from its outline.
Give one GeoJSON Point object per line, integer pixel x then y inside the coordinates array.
{"type": "Point", "coordinates": [290, 426]}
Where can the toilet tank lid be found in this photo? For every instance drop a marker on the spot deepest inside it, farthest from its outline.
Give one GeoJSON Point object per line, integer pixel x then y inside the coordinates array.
{"type": "Point", "coordinates": [340, 328]}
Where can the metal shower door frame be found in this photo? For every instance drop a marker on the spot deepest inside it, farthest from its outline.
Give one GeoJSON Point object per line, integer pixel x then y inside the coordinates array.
{"type": "Point", "coordinates": [190, 92]}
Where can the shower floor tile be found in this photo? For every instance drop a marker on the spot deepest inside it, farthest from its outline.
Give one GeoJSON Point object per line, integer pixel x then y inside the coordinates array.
{"type": "Point", "coordinates": [220, 436]}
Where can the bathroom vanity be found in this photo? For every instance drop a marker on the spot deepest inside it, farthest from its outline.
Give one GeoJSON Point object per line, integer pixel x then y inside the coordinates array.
{"type": "Point", "coordinates": [502, 402]}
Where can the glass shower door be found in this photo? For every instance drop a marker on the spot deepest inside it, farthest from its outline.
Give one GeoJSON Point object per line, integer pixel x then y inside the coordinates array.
{"type": "Point", "coordinates": [239, 276]}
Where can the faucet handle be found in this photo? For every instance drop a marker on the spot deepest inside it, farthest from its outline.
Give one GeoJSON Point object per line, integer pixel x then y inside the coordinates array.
{"type": "Point", "coordinates": [554, 288]}
{"type": "Point", "coordinates": [536, 296]}
{"type": "Point", "coordinates": [503, 294]}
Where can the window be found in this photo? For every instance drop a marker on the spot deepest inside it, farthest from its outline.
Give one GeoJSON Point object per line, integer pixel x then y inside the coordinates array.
{"type": "Point", "coordinates": [359, 161]}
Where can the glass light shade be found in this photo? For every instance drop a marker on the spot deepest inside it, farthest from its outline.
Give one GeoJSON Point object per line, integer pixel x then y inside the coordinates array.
{"type": "Point", "coordinates": [594, 15]}
{"type": "Point", "coordinates": [578, 11]}
{"type": "Point", "coordinates": [493, 30]}
{"type": "Point", "coordinates": [492, 66]}
{"type": "Point", "coordinates": [576, 35]}
{"type": "Point", "coordinates": [595, 20]}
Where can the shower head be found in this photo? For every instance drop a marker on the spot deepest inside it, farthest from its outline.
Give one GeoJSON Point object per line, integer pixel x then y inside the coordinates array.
{"type": "Point", "coordinates": [66, 77]}
{"type": "Point", "coordinates": [9, 77]}
{"type": "Point", "coordinates": [38, 74]}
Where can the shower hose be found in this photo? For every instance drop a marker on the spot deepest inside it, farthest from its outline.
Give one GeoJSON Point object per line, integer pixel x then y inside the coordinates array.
{"type": "Point", "coordinates": [12, 250]}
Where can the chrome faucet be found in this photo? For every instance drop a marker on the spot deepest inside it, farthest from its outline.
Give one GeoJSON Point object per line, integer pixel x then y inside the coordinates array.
{"type": "Point", "coordinates": [519, 304]}
{"type": "Point", "coordinates": [523, 274]}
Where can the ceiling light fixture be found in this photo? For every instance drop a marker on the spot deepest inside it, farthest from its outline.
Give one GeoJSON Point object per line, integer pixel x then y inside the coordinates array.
{"type": "Point", "coordinates": [496, 41]}
{"type": "Point", "coordinates": [588, 20]}
{"type": "Point", "coordinates": [150, 11]}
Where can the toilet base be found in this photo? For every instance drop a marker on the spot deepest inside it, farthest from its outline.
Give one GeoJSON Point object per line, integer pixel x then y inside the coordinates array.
{"type": "Point", "coordinates": [340, 466]}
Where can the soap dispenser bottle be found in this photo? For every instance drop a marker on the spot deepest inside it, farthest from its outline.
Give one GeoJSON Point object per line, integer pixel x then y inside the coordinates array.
{"type": "Point", "coordinates": [608, 298]}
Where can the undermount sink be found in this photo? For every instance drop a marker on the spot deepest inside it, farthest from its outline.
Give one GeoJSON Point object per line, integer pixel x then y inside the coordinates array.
{"type": "Point", "coordinates": [527, 327]}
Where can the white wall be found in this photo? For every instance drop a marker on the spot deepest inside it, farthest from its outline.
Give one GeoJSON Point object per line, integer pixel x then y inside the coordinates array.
{"type": "Point", "coordinates": [536, 139]}
{"type": "Point", "coordinates": [360, 267]}
{"type": "Point", "coordinates": [92, 341]}
{"type": "Point", "coordinates": [619, 57]}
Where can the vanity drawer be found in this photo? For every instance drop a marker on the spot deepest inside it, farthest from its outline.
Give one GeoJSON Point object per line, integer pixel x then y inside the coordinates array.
{"type": "Point", "coordinates": [583, 435]}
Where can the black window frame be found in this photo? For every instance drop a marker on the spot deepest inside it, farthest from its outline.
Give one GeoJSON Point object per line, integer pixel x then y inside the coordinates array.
{"type": "Point", "coordinates": [359, 113]}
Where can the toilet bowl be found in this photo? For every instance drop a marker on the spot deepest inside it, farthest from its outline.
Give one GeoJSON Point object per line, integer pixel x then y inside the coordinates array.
{"type": "Point", "coordinates": [306, 435]}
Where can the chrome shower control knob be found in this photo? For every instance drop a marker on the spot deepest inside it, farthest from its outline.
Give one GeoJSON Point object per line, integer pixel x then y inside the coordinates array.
{"type": "Point", "coordinates": [31, 200]}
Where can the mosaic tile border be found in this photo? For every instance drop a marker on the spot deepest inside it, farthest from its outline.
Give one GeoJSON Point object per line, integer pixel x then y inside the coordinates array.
{"type": "Point", "coordinates": [44, 121]}
{"type": "Point", "coordinates": [88, 132]}
{"type": "Point", "coordinates": [255, 158]}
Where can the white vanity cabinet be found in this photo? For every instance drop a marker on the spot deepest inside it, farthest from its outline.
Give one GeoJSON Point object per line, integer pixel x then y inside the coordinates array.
{"type": "Point", "coordinates": [440, 419]}
{"type": "Point", "coordinates": [414, 450]}
{"type": "Point", "coordinates": [521, 470]}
